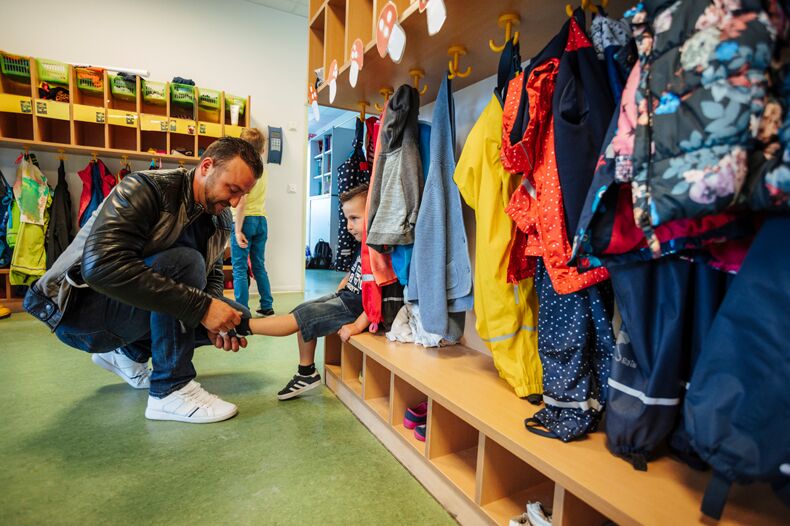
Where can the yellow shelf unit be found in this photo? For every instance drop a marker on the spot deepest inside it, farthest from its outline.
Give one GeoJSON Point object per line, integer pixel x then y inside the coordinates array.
{"type": "Point", "coordinates": [483, 465]}
{"type": "Point", "coordinates": [97, 122]}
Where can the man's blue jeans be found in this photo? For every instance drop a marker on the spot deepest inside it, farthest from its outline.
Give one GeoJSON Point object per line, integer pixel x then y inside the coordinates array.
{"type": "Point", "coordinates": [256, 230]}
{"type": "Point", "coordinates": [95, 323]}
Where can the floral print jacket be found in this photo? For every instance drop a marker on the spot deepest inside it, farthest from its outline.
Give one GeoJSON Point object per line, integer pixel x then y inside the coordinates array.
{"type": "Point", "coordinates": [701, 106]}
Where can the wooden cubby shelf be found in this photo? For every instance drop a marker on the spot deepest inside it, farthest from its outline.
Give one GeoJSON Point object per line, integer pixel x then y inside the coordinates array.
{"type": "Point", "coordinates": [101, 123]}
{"type": "Point", "coordinates": [483, 465]}
{"type": "Point", "coordinates": [335, 24]}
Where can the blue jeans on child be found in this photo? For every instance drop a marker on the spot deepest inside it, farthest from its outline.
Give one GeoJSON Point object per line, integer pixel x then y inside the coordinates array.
{"type": "Point", "coordinates": [98, 324]}
{"type": "Point", "coordinates": [256, 230]}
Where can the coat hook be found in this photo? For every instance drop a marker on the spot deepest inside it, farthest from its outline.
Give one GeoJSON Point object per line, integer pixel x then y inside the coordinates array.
{"type": "Point", "coordinates": [94, 157]}
{"type": "Point", "coordinates": [455, 52]}
{"type": "Point", "coordinates": [386, 93]}
{"type": "Point", "coordinates": [363, 109]}
{"type": "Point", "coordinates": [417, 74]}
{"type": "Point", "coordinates": [180, 164]}
{"type": "Point", "coordinates": [507, 21]}
{"type": "Point", "coordinates": [61, 154]}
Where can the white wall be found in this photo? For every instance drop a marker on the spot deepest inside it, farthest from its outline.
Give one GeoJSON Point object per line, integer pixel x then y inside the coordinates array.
{"type": "Point", "coordinates": [232, 45]}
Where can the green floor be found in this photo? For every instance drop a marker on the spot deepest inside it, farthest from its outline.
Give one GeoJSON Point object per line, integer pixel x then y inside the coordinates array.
{"type": "Point", "coordinates": [75, 447]}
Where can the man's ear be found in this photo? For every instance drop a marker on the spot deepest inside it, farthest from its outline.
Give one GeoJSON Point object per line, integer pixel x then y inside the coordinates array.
{"type": "Point", "coordinates": [205, 165]}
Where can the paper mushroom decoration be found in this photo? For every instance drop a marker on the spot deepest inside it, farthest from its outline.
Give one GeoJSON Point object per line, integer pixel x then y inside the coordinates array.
{"type": "Point", "coordinates": [437, 14]}
{"type": "Point", "coordinates": [357, 61]}
{"type": "Point", "coordinates": [390, 36]}
{"type": "Point", "coordinates": [314, 103]}
{"type": "Point", "coordinates": [332, 80]}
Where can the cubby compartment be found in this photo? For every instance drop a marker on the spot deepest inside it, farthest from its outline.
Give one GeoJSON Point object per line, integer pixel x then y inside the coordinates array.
{"type": "Point", "coordinates": [184, 144]}
{"type": "Point", "coordinates": [153, 140]}
{"type": "Point", "coordinates": [376, 390]}
{"type": "Point", "coordinates": [122, 138]}
{"type": "Point", "coordinates": [570, 510]}
{"type": "Point", "coordinates": [359, 24]}
{"type": "Point", "coordinates": [351, 367]}
{"type": "Point", "coordinates": [507, 483]}
{"type": "Point", "coordinates": [452, 447]}
{"type": "Point", "coordinates": [89, 134]}
{"type": "Point", "coordinates": [315, 57]}
{"type": "Point", "coordinates": [54, 130]}
{"type": "Point", "coordinates": [335, 43]}
{"type": "Point", "coordinates": [204, 141]}
{"type": "Point", "coordinates": [16, 125]}
{"type": "Point", "coordinates": [332, 346]}
{"type": "Point", "coordinates": [404, 396]}
{"type": "Point", "coordinates": [315, 5]}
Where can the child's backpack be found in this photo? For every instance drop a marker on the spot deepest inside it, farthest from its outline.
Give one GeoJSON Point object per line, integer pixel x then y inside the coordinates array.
{"type": "Point", "coordinates": [322, 255]}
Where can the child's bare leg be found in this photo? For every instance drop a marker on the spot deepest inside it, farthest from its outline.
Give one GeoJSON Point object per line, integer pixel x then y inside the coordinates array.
{"type": "Point", "coordinates": [306, 350]}
{"type": "Point", "coordinates": [282, 325]}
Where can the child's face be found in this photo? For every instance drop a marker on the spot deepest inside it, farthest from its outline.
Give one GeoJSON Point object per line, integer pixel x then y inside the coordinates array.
{"type": "Point", "coordinates": [354, 211]}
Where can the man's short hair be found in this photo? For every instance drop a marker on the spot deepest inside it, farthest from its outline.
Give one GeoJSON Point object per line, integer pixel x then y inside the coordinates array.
{"type": "Point", "coordinates": [228, 148]}
{"type": "Point", "coordinates": [254, 137]}
{"type": "Point", "coordinates": [351, 194]}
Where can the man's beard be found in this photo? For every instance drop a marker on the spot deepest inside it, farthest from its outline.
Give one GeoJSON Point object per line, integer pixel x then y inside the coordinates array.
{"type": "Point", "coordinates": [213, 205]}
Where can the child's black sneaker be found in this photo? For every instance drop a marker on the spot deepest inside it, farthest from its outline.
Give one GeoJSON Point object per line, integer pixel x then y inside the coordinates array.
{"type": "Point", "coordinates": [298, 385]}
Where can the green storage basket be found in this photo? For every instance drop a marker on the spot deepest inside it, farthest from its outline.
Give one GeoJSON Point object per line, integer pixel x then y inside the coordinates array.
{"type": "Point", "coordinates": [182, 94]}
{"type": "Point", "coordinates": [123, 88]}
{"type": "Point", "coordinates": [15, 67]}
{"type": "Point", "coordinates": [233, 99]}
{"type": "Point", "coordinates": [155, 92]}
{"type": "Point", "coordinates": [208, 99]}
{"type": "Point", "coordinates": [53, 72]}
{"type": "Point", "coordinates": [90, 80]}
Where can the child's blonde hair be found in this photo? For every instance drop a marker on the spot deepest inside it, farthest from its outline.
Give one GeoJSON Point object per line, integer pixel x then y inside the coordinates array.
{"type": "Point", "coordinates": [254, 137]}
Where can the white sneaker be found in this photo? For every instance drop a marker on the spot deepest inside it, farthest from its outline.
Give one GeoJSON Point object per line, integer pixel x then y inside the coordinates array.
{"type": "Point", "coordinates": [191, 404]}
{"type": "Point", "coordinates": [138, 375]}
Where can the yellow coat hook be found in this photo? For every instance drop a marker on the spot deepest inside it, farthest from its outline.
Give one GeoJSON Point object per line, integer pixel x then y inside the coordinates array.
{"type": "Point", "coordinates": [455, 52]}
{"type": "Point", "coordinates": [386, 93]}
{"type": "Point", "coordinates": [416, 75]}
{"type": "Point", "coordinates": [363, 109]}
{"type": "Point", "coordinates": [61, 154]}
{"type": "Point", "coordinates": [507, 21]}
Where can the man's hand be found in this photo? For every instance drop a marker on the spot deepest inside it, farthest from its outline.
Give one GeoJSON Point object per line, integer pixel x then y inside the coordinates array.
{"type": "Point", "coordinates": [241, 239]}
{"type": "Point", "coordinates": [227, 342]}
{"type": "Point", "coordinates": [220, 317]}
{"type": "Point", "coordinates": [347, 331]}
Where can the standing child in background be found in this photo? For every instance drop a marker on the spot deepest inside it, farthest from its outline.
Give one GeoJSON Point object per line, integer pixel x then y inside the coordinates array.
{"type": "Point", "coordinates": [250, 234]}
{"type": "Point", "coordinates": [340, 312]}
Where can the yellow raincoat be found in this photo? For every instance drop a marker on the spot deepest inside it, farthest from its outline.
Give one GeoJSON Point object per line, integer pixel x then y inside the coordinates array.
{"type": "Point", "coordinates": [507, 315]}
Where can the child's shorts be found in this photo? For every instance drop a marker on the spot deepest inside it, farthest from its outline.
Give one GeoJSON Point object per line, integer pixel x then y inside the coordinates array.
{"type": "Point", "coordinates": [328, 314]}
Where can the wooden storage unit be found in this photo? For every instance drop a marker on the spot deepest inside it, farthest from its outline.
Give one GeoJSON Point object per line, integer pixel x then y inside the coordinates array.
{"type": "Point", "coordinates": [470, 24]}
{"type": "Point", "coordinates": [7, 297]}
{"type": "Point", "coordinates": [484, 466]}
{"type": "Point", "coordinates": [104, 124]}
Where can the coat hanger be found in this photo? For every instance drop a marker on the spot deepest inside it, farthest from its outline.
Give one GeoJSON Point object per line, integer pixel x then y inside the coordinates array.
{"type": "Point", "coordinates": [455, 52]}
{"type": "Point", "coordinates": [506, 20]}
{"type": "Point", "coordinates": [416, 74]}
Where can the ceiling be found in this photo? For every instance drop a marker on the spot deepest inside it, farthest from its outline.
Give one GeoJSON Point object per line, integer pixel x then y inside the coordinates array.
{"type": "Point", "coordinates": [297, 7]}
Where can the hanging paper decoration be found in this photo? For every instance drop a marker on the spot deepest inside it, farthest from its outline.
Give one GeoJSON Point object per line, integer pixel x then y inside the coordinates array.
{"type": "Point", "coordinates": [390, 36]}
{"type": "Point", "coordinates": [357, 61]}
{"type": "Point", "coordinates": [314, 102]}
{"type": "Point", "coordinates": [332, 80]}
{"type": "Point", "coordinates": [437, 14]}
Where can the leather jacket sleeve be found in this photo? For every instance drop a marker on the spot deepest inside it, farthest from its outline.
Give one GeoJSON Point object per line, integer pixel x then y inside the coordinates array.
{"type": "Point", "coordinates": [112, 261]}
{"type": "Point", "coordinates": [216, 281]}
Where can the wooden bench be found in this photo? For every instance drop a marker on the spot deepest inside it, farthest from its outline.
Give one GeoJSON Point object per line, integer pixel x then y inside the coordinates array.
{"type": "Point", "coordinates": [15, 304]}
{"type": "Point", "coordinates": [483, 465]}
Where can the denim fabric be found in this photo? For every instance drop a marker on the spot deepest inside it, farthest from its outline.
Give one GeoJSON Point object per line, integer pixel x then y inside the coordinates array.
{"type": "Point", "coordinates": [100, 324]}
{"type": "Point", "coordinates": [326, 315]}
{"type": "Point", "coordinates": [256, 230]}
